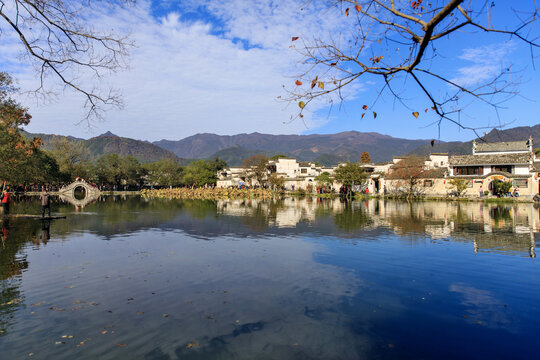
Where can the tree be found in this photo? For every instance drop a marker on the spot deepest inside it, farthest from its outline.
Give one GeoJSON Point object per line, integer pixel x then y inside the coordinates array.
{"type": "Point", "coordinates": [132, 171]}
{"type": "Point", "coordinates": [59, 39]}
{"type": "Point", "coordinates": [409, 170]}
{"type": "Point", "coordinates": [460, 185]}
{"type": "Point", "coordinates": [38, 168]}
{"type": "Point", "coordinates": [165, 172]}
{"type": "Point", "coordinates": [324, 180]}
{"type": "Point", "coordinates": [70, 157]}
{"type": "Point", "coordinates": [218, 164]}
{"type": "Point", "coordinates": [256, 168]}
{"type": "Point", "coordinates": [109, 169]}
{"type": "Point", "coordinates": [365, 158]}
{"type": "Point", "coordinates": [396, 44]}
{"type": "Point", "coordinates": [501, 188]}
{"type": "Point", "coordinates": [276, 181]}
{"type": "Point", "coordinates": [349, 174]}
{"type": "Point", "coordinates": [15, 149]}
{"type": "Point", "coordinates": [200, 173]}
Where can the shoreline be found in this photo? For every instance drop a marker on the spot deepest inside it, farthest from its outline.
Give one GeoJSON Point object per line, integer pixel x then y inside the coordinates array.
{"type": "Point", "coordinates": [224, 193]}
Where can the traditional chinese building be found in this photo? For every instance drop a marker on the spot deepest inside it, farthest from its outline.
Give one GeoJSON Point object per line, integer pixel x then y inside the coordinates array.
{"type": "Point", "coordinates": [512, 161]}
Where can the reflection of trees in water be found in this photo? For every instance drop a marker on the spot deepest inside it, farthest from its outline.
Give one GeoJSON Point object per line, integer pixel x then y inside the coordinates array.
{"type": "Point", "coordinates": [500, 213]}
{"type": "Point", "coordinates": [408, 221]}
{"type": "Point", "coordinates": [263, 212]}
{"type": "Point", "coordinates": [200, 209]}
{"type": "Point", "coordinates": [351, 218]}
{"type": "Point", "coordinates": [15, 234]}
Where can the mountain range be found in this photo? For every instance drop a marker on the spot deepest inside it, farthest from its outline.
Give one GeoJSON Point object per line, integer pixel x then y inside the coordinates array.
{"type": "Point", "coordinates": [109, 143]}
{"type": "Point", "coordinates": [326, 149]}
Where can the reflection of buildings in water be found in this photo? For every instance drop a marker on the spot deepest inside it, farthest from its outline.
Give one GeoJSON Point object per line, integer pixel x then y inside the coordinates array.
{"type": "Point", "coordinates": [440, 231]}
{"type": "Point", "coordinates": [491, 227]}
{"type": "Point", "coordinates": [284, 213]}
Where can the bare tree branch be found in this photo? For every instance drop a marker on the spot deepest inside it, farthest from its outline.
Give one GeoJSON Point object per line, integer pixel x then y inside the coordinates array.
{"type": "Point", "coordinates": [415, 26]}
{"type": "Point", "coordinates": [58, 39]}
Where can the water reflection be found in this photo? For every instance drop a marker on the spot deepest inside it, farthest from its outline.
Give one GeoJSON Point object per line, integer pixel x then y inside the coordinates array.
{"type": "Point", "coordinates": [292, 278]}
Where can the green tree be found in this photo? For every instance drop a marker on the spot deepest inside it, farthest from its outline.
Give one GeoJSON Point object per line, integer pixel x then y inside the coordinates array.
{"type": "Point", "coordinates": [70, 157]}
{"type": "Point", "coordinates": [132, 171]}
{"type": "Point", "coordinates": [324, 179]}
{"type": "Point", "coordinates": [165, 172]}
{"type": "Point", "coordinates": [39, 168]}
{"type": "Point", "coordinates": [200, 173]}
{"type": "Point", "coordinates": [500, 188]}
{"type": "Point", "coordinates": [109, 169]}
{"type": "Point", "coordinates": [349, 174]}
{"type": "Point", "coordinates": [460, 185]}
{"type": "Point", "coordinates": [218, 164]}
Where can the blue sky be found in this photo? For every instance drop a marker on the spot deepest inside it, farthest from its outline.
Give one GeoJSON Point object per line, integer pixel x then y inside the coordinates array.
{"type": "Point", "coordinates": [219, 66]}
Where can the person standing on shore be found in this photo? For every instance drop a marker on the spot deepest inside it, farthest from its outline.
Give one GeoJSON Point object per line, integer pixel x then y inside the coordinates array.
{"type": "Point", "coordinates": [45, 203]}
{"type": "Point", "coordinates": [6, 200]}
{"type": "Point", "coordinates": [481, 191]}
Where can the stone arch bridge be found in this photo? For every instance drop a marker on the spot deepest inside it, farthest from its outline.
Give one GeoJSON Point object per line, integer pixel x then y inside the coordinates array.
{"type": "Point", "coordinates": [68, 192]}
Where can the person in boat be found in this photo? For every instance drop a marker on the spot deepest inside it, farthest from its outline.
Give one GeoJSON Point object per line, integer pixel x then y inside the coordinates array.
{"type": "Point", "coordinates": [45, 203]}
{"type": "Point", "coordinates": [6, 200]}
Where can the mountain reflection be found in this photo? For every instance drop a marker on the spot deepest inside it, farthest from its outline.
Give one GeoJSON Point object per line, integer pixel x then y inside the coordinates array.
{"type": "Point", "coordinates": [194, 245]}
{"type": "Point", "coordinates": [511, 227]}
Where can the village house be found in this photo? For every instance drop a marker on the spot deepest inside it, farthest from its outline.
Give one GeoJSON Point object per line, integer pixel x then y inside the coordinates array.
{"type": "Point", "coordinates": [513, 161]}
{"type": "Point", "coordinates": [295, 175]}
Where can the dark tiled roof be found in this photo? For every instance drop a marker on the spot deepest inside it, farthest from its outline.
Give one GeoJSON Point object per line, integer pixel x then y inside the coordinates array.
{"type": "Point", "coordinates": [502, 146]}
{"type": "Point", "coordinates": [434, 173]}
{"type": "Point", "coordinates": [505, 159]}
{"type": "Point", "coordinates": [505, 174]}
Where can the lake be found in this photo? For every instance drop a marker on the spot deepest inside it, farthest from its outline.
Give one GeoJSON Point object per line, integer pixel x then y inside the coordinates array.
{"type": "Point", "coordinates": [135, 278]}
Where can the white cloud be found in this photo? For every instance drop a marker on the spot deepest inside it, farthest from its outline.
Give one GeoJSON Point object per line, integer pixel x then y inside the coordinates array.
{"type": "Point", "coordinates": [487, 62]}
{"type": "Point", "coordinates": [188, 76]}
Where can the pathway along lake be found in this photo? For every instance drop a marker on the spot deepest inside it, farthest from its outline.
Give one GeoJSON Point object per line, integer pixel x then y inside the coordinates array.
{"type": "Point", "coordinates": [134, 278]}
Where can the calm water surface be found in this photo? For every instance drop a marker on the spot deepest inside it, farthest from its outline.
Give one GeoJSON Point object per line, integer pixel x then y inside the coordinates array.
{"type": "Point", "coordinates": [132, 278]}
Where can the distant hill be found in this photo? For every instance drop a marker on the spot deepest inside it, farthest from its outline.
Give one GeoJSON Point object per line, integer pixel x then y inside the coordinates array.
{"type": "Point", "coordinates": [109, 143]}
{"type": "Point", "coordinates": [495, 135]}
{"type": "Point", "coordinates": [347, 145]}
{"type": "Point", "coordinates": [234, 155]}
{"type": "Point", "coordinates": [325, 149]}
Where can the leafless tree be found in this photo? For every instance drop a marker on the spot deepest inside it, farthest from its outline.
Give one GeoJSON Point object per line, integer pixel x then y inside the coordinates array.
{"type": "Point", "coordinates": [396, 42]}
{"type": "Point", "coordinates": [58, 38]}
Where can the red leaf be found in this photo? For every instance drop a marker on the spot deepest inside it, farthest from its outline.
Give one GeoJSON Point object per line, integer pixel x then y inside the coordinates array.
{"type": "Point", "coordinates": [298, 82]}
{"type": "Point", "coordinates": [358, 7]}
{"type": "Point", "coordinates": [314, 82]}
{"type": "Point", "coordinates": [364, 107]}
{"type": "Point", "coordinates": [361, 117]}
{"type": "Point", "coordinates": [347, 12]}
{"type": "Point", "coordinates": [333, 64]}
{"type": "Point", "coordinates": [432, 143]}
{"type": "Point", "coordinates": [294, 38]}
